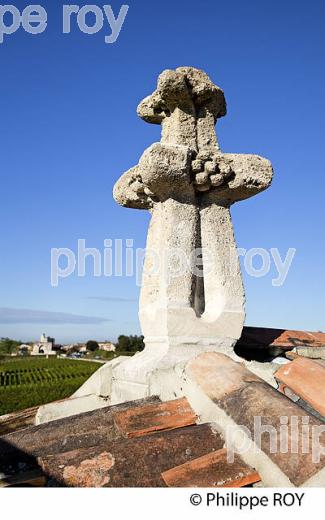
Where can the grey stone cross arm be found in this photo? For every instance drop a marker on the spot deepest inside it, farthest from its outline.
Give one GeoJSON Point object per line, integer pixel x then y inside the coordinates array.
{"type": "Point", "coordinates": [188, 184]}
{"type": "Point", "coordinates": [187, 105]}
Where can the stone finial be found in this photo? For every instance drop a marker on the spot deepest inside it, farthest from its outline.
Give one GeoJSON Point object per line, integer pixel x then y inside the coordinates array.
{"type": "Point", "coordinates": [185, 88]}
{"type": "Point", "coordinates": [188, 163]}
{"type": "Point", "coordinates": [189, 185]}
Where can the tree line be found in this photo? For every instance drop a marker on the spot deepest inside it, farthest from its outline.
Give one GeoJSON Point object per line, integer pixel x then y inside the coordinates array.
{"type": "Point", "coordinates": [127, 344]}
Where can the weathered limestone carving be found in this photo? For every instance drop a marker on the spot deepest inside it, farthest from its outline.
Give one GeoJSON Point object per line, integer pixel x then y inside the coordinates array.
{"type": "Point", "coordinates": [188, 185]}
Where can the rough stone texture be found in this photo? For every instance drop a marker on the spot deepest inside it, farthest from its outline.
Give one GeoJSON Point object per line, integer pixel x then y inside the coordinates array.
{"type": "Point", "coordinates": [68, 407]}
{"type": "Point", "coordinates": [188, 185]}
{"type": "Point", "coordinates": [212, 470]}
{"type": "Point", "coordinates": [312, 352]}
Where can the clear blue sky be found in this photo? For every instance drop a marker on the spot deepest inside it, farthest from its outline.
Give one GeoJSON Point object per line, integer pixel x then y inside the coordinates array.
{"type": "Point", "coordinates": [70, 129]}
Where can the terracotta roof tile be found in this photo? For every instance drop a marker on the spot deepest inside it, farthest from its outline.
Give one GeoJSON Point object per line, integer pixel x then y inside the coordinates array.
{"type": "Point", "coordinates": [17, 420]}
{"type": "Point", "coordinates": [132, 462]}
{"type": "Point", "coordinates": [150, 443]}
{"type": "Point", "coordinates": [151, 418]}
{"type": "Point", "coordinates": [306, 378]}
{"type": "Point", "coordinates": [244, 396]}
{"type": "Point", "coordinates": [78, 431]}
{"type": "Point", "coordinates": [280, 337]}
{"type": "Point", "coordinates": [212, 470]}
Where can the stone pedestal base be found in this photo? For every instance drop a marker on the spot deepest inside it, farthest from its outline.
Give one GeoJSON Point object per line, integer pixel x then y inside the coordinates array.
{"type": "Point", "coordinates": [133, 378]}
{"type": "Point", "coordinates": [130, 378]}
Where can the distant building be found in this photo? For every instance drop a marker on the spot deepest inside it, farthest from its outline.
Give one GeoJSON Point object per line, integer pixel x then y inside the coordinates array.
{"type": "Point", "coordinates": [44, 346]}
{"type": "Point", "coordinates": [74, 347]}
{"type": "Point", "coordinates": [24, 349]}
{"type": "Point", "coordinates": [69, 347]}
{"type": "Point", "coordinates": [107, 346]}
